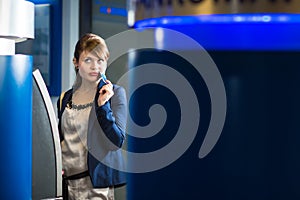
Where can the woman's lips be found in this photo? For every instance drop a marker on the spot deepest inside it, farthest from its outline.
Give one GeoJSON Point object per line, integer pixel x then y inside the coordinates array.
{"type": "Point", "coordinates": [94, 74]}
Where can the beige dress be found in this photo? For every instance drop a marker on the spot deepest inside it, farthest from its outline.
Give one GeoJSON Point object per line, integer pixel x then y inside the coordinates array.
{"type": "Point", "coordinates": [74, 154]}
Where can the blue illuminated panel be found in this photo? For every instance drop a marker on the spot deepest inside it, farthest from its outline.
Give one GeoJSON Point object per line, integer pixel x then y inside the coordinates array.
{"type": "Point", "coordinates": [236, 31]}
{"type": "Point", "coordinates": [113, 11]}
{"type": "Point", "coordinates": [15, 126]}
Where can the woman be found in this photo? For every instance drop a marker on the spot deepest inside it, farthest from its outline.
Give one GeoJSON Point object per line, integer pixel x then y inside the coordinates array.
{"type": "Point", "coordinates": [92, 121]}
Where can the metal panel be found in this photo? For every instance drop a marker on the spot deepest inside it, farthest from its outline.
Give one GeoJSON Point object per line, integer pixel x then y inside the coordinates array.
{"type": "Point", "coordinates": [47, 168]}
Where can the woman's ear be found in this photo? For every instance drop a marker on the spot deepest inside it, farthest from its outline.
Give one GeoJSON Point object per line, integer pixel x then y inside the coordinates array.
{"type": "Point", "coordinates": [75, 62]}
{"type": "Point", "coordinates": [75, 65]}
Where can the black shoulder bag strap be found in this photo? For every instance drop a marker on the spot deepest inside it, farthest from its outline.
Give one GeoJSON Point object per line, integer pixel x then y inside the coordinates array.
{"type": "Point", "coordinates": [64, 99]}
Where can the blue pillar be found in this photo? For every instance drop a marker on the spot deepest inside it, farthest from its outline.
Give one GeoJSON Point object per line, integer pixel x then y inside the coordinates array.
{"type": "Point", "coordinates": [15, 126]}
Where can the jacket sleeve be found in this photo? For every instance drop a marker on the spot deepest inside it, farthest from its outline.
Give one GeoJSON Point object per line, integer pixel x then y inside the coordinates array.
{"type": "Point", "coordinates": [112, 117]}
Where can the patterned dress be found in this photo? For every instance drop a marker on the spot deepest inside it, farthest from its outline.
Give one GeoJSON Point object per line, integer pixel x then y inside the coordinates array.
{"type": "Point", "coordinates": [74, 154]}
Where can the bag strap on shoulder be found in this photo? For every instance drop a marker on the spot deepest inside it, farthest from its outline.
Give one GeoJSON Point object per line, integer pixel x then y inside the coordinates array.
{"type": "Point", "coordinates": [60, 100]}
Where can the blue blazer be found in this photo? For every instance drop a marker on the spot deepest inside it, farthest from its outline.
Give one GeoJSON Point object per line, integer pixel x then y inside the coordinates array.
{"type": "Point", "coordinates": [106, 135]}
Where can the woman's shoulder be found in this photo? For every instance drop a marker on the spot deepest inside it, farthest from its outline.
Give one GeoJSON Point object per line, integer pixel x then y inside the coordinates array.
{"type": "Point", "coordinates": [119, 91]}
{"type": "Point", "coordinates": [118, 88]}
{"type": "Point", "coordinates": [67, 94]}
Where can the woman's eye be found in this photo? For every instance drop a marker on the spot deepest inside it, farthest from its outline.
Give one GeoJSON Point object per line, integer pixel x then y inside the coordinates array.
{"type": "Point", "coordinates": [87, 60]}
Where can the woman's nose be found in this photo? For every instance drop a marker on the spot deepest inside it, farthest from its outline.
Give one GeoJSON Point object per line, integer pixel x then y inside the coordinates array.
{"type": "Point", "coordinates": [95, 65]}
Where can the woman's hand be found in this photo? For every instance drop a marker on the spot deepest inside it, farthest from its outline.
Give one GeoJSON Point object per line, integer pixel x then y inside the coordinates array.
{"type": "Point", "coordinates": [105, 93]}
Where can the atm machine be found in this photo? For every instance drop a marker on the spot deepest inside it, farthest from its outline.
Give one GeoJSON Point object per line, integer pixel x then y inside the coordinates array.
{"type": "Point", "coordinates": [30, 147]}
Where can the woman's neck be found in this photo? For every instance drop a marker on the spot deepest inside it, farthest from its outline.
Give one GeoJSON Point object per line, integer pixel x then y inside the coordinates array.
{"type": "Point", "coordinates": [85, 93]}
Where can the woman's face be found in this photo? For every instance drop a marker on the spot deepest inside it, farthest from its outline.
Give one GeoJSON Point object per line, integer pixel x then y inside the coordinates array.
{"type": "Point", "coordinates": [90, 66]}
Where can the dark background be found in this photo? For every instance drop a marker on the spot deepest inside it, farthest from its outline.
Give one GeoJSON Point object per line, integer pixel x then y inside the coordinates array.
{"type": "Point", "coordinates": [257, 155]}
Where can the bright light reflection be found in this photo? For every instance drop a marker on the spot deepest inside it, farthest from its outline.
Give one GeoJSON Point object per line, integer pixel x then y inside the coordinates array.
{"type": "Point", "coordinates": [159, 37]}
{"type": "Point", "coordinates": [131, 18]}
